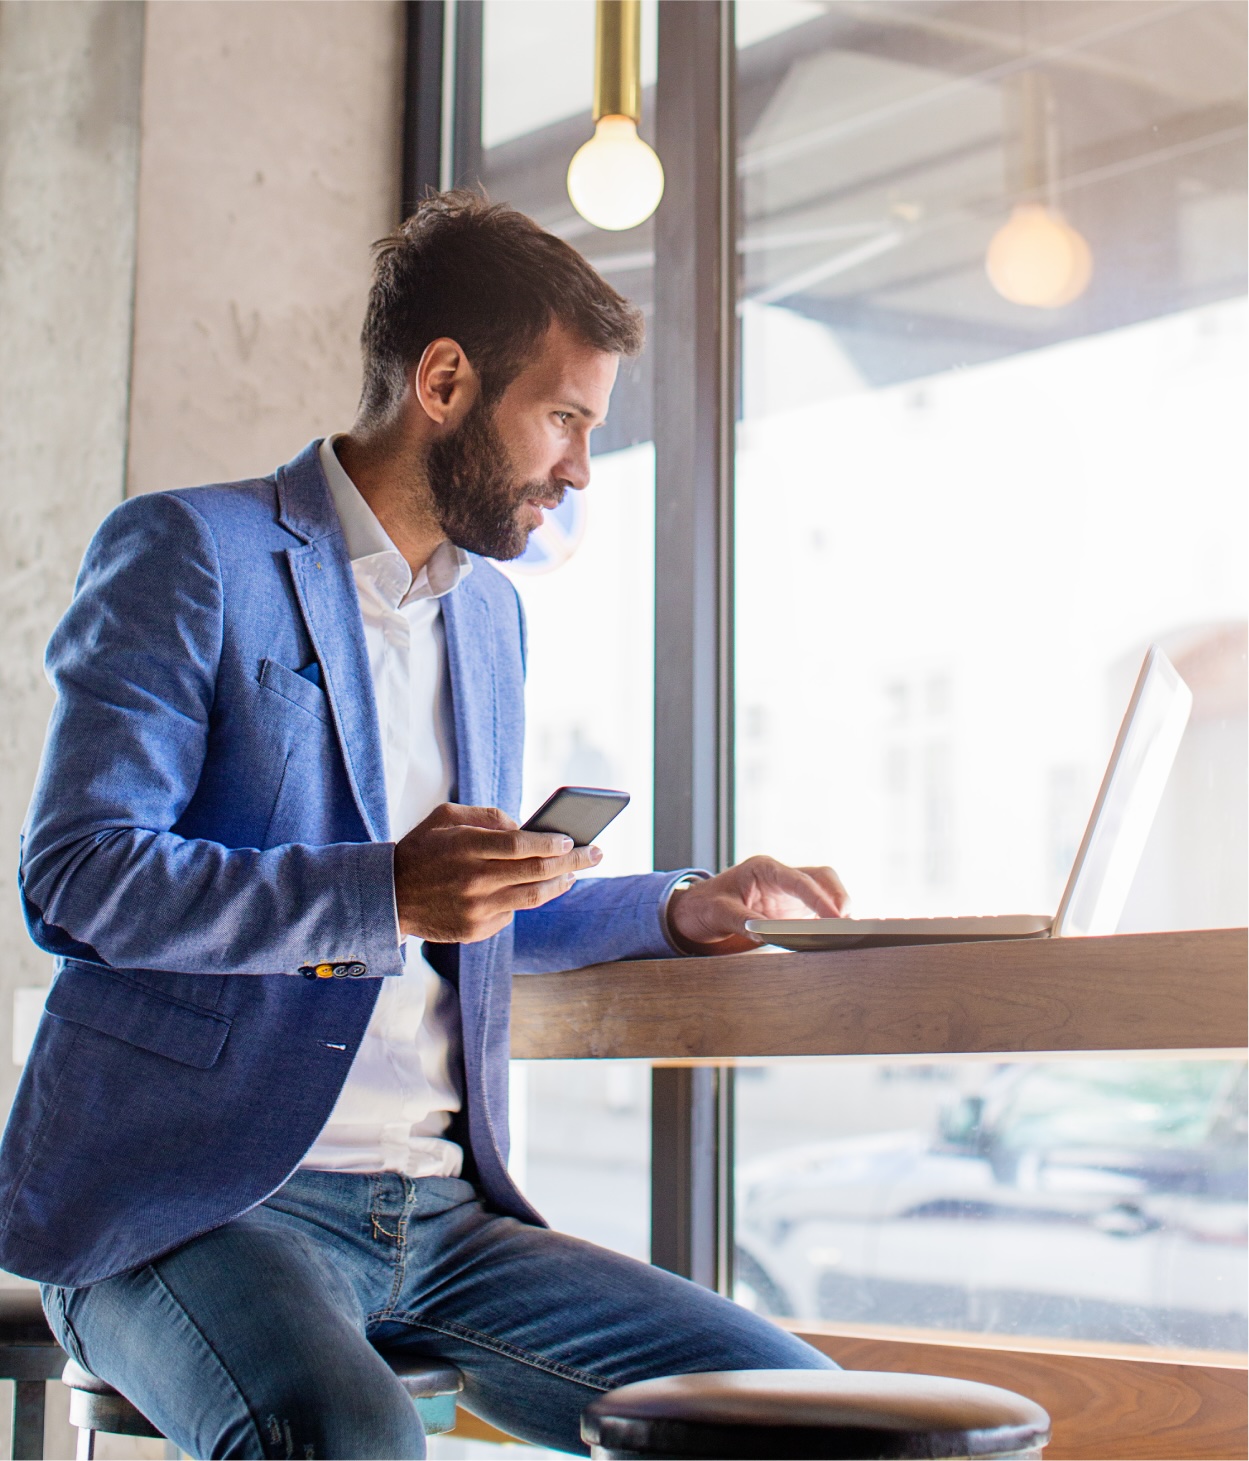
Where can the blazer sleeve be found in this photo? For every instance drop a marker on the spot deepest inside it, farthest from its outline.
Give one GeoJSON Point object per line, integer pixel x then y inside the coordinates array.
{"type": "Point", "coordinates": [102, 874]}
{"type": "Point", "coordinates": [598, 920]}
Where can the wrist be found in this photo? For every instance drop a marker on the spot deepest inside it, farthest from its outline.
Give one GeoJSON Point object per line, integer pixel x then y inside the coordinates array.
{"type": "Point", "coordinates": [675, 893]}
{"type": "Point", "coordinates": [682, 938]}
{"type": "Point", "coordinates": [683, 943]}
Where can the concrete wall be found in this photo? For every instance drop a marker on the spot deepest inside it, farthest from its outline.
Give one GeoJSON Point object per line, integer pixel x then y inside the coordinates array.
{"type": "Point", "coordinates": [188, 193]}
{"type": "Point", "coordinates": [69, 143]}
{"type": "Point", "coordinates": [258, 147]}
{"type": "Point", "coordinates": [270, 163]}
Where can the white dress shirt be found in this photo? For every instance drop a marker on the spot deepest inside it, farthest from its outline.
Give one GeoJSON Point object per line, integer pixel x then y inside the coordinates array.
{"type": "Point", "coordinates": [402, 1086]}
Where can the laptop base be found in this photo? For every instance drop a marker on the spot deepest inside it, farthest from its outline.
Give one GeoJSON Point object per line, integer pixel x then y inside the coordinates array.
{"type": "Point", "coordinates": [809, 935]}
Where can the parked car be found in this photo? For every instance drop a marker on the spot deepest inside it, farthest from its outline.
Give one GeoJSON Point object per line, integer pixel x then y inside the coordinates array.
{"type": "Point", "coordinates": [1095, 1199]}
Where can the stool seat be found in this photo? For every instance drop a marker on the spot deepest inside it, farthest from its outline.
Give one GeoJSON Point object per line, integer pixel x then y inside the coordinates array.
{"type": "Point", "coordinates": [95, 1406]}
{"type": "Point", "coordinates": [423, 1378]}
{"type": "Point", "coordinates": [839, 1414]}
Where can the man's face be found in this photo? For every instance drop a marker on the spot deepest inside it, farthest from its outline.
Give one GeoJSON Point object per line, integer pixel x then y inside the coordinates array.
{"type": "Point", "coordinates": [492, 478]}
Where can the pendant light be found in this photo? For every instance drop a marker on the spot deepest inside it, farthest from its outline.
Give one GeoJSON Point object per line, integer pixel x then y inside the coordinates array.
{"type": "Point", "coordinates": [615, 181]}
{"type": "Point", "coordinates": [1036, 258]}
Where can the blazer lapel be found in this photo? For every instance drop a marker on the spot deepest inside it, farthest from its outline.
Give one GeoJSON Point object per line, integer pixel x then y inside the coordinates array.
{"type": "Point", "coordinates": [326, 590]}
{"type": "Point", "coordinates": [470, 661]}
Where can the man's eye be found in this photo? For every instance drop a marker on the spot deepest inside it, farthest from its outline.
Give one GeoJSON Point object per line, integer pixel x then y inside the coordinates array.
{"type": "Point", "coordinates": [564, 416]}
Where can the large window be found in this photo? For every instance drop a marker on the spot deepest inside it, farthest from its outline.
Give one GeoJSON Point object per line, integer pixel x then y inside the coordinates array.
{"type": "Point", "coordinates": [960, 521]}
{"type": "Point", "coordinates": [967, 498]}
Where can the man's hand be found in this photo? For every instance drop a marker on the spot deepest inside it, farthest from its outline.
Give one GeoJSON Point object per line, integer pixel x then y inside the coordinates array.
{"type": "Point", "coordinates": [710, 917]}
{"type": "Point", "coordinates": [463, 872]}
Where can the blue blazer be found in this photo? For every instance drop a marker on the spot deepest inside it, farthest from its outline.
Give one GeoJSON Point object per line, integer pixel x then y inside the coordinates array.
{"type": "Point", "coordinates": [209, 820]}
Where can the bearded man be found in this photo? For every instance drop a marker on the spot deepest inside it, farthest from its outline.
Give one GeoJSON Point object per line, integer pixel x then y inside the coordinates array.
{"type": "Point", "coordinates": [261, 1139]}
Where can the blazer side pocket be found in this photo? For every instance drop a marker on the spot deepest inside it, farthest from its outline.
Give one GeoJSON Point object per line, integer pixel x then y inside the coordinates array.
{"type": "Point", "coordinates": [293, 687]}
{"type": "Point", "coordinates": [111, 1004]}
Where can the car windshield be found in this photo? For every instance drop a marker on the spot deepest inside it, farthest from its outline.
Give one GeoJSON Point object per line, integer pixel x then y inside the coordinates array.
{"type": "Point", "coordinates": [1119, 1103]}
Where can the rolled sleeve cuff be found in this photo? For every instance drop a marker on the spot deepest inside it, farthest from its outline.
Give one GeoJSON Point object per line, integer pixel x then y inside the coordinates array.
{"type": "Point", "coordinates": [381, 940]}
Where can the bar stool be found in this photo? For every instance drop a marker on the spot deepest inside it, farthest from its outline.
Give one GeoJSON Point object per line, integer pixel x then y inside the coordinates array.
{"type": "Point", "coordinates": [96, 1408]}
{"type": "Point", "coordinates": [840, 1414]}
{"type": "Point", "coordinates": [29, 1356]}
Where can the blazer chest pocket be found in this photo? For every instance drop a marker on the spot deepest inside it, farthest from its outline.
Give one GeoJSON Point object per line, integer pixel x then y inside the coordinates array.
{"type": "Point", "coordinates": [292, 686]}
{"type": "Point", "coordinates": [113, 1005]}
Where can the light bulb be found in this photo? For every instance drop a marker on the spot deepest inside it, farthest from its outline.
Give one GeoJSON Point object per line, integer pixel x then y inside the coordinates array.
{"type": "Point", "coordinates": [1038, 259]}
{"type": "Point", "coordinates": [615, 180]}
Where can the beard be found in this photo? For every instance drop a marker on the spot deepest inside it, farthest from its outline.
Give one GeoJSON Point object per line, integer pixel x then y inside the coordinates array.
{"type": "Point", "coordinates": [478, 501]}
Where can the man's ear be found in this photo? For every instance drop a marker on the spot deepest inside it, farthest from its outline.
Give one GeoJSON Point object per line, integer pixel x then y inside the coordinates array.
{"type": "Point", "coordinates": [444, 383]}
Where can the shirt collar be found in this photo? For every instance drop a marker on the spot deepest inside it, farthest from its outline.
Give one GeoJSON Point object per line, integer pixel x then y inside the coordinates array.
{"type": "Point", "coordinates": [367, 540]}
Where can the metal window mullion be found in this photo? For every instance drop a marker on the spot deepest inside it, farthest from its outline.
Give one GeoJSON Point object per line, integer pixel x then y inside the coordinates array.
{"type": "Point", "coordinates": [422, 101]}
{"type": "Point", "coordinates": [468, 36]}
{"type": "Point", "coordinates": [694, 353]}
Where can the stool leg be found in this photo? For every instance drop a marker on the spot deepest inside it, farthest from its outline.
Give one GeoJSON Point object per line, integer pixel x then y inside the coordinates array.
{"type": "Point", "coordinates": [28, 1420]}
{"type": "Point", "coordinates": [86, 1445]}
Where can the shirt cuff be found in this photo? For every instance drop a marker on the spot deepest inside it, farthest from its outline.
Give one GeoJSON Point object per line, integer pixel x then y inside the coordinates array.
{"type": "Point", "coordinates": [686, 881]}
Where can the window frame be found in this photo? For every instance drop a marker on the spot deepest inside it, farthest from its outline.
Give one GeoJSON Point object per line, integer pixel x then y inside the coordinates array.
{"type": "Point", "coordinates": [695, 393]}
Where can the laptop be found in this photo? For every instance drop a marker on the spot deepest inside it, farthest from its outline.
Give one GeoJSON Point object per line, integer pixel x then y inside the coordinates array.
{"type": "Point", "coordinates": [1101, 876]}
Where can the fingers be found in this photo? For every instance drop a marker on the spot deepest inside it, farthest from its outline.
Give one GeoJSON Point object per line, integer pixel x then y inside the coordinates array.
{"type": "Point", "coordinates": [520, 857]}
{"type": "Point", "coordinates": [451, 814]}
{"type": "Point", "coordinates": [519, 896]}
{"type": "Point", "coordinates": [525, 845]}
{"type": "Point", "coordinates": [539, 869]}
{"type": "Point", "coordinates": [510, 900]}
{"type": "Point", "coordinates": [491, 833]}
{"type": "Point", "coordinates": [817, 893]}
{"type": "Point", "coordinates": [827, 880]}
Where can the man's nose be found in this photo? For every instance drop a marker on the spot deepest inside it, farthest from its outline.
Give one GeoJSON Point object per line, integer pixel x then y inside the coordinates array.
{"type": "Point", "coordinates": [574, 467]}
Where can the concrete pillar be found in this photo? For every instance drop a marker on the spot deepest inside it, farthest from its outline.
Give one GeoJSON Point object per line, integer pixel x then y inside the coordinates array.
{"type": "Point", "coordinates": [69, 135]}
{"type": "Point", "coordinates": [270, 163]}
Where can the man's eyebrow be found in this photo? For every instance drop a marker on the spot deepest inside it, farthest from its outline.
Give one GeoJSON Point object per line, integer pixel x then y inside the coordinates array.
{"type": "Point", "coordinates": [580, 410]}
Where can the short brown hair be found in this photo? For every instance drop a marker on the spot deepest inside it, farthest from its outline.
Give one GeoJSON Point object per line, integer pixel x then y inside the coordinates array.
{"type": "Point", "coordinates": [489, 278]}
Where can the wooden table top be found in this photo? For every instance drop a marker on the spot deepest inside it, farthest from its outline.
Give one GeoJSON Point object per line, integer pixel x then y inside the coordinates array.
{"type": "Point", "coordinates": [1151, 991]}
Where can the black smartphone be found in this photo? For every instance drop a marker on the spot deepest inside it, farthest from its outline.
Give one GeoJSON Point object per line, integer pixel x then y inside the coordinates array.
{"type": "Point", "coordinates": [579, 812]}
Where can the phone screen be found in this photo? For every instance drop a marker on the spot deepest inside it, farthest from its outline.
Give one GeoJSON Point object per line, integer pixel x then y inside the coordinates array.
{"type": "Point", "coordinates": [579, 812]}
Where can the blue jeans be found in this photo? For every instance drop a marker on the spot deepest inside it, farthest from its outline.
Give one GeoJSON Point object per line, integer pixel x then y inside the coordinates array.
{"type": "Point", "coordinates": [261, 1338]}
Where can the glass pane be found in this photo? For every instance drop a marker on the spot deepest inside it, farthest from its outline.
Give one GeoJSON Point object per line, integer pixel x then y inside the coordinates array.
{"type": "Point", "coordinates": [581, 1147]}
{"type": "Point", "coordinates": [1097, 1200]}
{"type": "Point", "coordinates": [587, 584]}
{"type": "Point", "coordinates": [967, 500]}
{"type": "Point", "coordinates": [961, 519]}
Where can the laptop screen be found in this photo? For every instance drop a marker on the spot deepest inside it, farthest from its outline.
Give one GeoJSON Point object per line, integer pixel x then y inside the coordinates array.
{"type": "Point", "coordinates": [1127, 803]}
